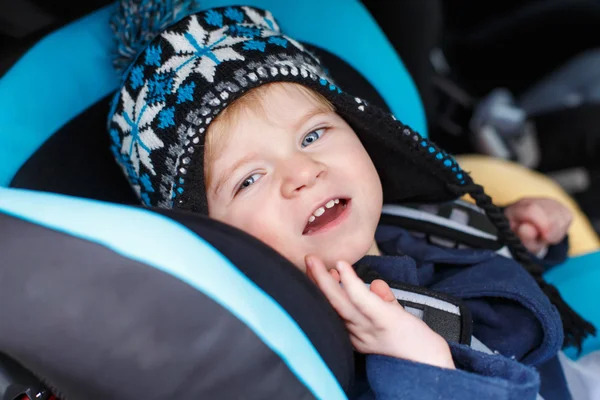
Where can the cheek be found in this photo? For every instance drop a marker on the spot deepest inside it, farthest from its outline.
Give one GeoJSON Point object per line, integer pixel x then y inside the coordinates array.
{"type": "Point", "coordinates": [360, 166]}
{"type": "Point", "coordinates": [361, 171]}
{"type": "Point", "coordinates": [255, 221]}
{"type": "Point", "coordinates": [265, 231]}
{"type": "Point", "coordinates": [270, 230]}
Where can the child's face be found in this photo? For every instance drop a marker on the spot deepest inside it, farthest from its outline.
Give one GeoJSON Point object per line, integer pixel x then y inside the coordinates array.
{"type": "Point", "coordinates": [279, 169]}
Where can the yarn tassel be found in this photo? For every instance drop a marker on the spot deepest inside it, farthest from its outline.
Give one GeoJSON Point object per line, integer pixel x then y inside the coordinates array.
{"type": "Point", "coordinates": [135, 23]}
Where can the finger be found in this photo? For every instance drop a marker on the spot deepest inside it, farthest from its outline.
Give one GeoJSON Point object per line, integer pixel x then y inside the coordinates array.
{"type": "Point", "coordinates": [335, 275]}
{"type": "Point", "coordinates": [560, 227]}
{"type": "Point", "coordinates": [359, 343]}
{"type": "Point", "coordinates": [533, 246]}
{"type": "Point", "coordinates": [532, 213]}
{"type": "Point", "coordinates": [565, 221]}
{"type": "Point", "coordinates": [382, 289]}
{"type": "Point", "coordinates": [556, 234]}
{"type": "Point", "coordinates": [537, 217]}
{"type": "Point", "coordinates": [513, 215]}
{"type": "Point", "coordinates": [331, 289]}
{"type": "Point", "coordinates": [528, 235]}
{"type": "Point", "coordinates": [568, 216]}
{"type": "Point", "coordinates": [527, 232]}
{"type": "Point", "coordinates": [309, 272]}
{"type": "Point", "coordinates": [361, 297]}
{"type": "Point", "coordinates": [512, 210]}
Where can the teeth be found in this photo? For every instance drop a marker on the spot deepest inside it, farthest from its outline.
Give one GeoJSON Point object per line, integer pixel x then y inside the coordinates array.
{"type": "Point", "coordinates": [321, 210]}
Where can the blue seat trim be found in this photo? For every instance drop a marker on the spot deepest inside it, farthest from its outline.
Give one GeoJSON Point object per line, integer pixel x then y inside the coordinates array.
{"type": "Point", "coordinates": [61, 76]}
{"type": "Point", "coordinates": [215, 276]}
{"type": "Point", "coordinates": [577, 281]}
{"type": "Point", "coordinates": [70, 70]}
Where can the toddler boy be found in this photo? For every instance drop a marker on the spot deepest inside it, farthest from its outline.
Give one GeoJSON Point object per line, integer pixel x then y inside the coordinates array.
{"type": "Point", "coordinates": [222, 114]}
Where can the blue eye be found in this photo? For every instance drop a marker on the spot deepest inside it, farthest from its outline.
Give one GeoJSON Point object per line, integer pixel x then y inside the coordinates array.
{"type": "Point", "coordinates": [312, 137]}
{"type": "Point", "coordinates": [248, 181]}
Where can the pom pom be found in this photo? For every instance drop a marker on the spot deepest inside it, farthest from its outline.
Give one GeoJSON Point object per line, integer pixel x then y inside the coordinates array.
{"type": "Point", "coordinates": [135, 23]}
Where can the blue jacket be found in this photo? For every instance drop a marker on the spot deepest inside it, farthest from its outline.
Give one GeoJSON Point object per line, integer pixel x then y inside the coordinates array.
{"type": "Point", "coordinates": [511, 315]}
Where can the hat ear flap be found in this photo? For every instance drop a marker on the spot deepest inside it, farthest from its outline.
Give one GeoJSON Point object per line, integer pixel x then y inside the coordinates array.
{"type": "Point", "coordinates": [411, 168]}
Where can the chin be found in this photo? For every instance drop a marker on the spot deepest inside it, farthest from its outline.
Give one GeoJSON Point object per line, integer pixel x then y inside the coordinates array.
{"type": "Point", "coordinates": [349, 251]}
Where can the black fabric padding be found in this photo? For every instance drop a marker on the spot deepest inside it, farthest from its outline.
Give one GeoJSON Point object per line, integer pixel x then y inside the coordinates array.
{"type": "Point", "coordinates": [69, 10]}
{"type": "Point", "coordinates": [446, 324]}
{"type": "Point", "coordinates": [414, 29]}
{"type": "Point", "coordinates": [282, 281]}
{"type": "Point", "coordinates": [348, 78]}
{"type": "Point", "coordinates": [98, 325]}
{"type": "Point", "coordinates": [77, 161]}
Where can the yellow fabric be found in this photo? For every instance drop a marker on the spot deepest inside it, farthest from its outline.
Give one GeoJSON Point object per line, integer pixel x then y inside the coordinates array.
{"type": "Point", "coordinates": [506, 182]}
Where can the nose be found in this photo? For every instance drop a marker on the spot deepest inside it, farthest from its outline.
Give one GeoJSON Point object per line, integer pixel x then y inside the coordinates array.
{"type": "Point", "coordinates": [300, 173]}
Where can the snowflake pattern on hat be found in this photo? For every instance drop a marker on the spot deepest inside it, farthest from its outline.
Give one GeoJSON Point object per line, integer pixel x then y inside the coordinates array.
{"type": "Point", "coordinates": [138, 139]}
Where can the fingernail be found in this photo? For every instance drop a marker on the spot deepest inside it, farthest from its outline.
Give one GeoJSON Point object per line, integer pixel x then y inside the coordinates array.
{"type": "Point", "coordinates": [339, 266]}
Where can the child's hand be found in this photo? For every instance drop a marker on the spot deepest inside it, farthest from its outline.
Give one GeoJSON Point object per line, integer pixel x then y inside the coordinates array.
{"type": "Point", "coordinates": [539, 222]}
{"type": "Point", "coordinates": [377, 323]}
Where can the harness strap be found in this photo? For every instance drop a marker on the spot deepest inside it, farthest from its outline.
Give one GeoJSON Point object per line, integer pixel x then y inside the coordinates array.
{"type": "Point", "coordinates": [453, 224]}
{"type": "Point", "coordinates": [445, 314]}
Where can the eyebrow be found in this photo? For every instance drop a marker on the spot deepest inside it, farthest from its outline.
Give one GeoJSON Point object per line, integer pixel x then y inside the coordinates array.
{"type": "Point", "coordinates": [227, 174]}
{"type": "Point", "coordinates": [309, 115]}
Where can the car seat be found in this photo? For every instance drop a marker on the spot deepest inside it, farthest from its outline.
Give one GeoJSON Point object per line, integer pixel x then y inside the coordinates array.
{"type": "Point", "coordinates": [85, 249]}
{"type": "Point", "coordinates": [85, 279]}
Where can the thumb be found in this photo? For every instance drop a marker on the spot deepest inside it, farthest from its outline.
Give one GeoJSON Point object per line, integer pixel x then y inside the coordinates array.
{"type": "Point", "coordinates": [382, 289]}
{"type": "Point", "coordinates": [527, 232]}
{"type": "Point", "coordinates": [529, 235]}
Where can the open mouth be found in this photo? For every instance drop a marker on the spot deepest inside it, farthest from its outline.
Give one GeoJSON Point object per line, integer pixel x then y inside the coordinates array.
{"type": "Point", "coordinates": [326, 216]}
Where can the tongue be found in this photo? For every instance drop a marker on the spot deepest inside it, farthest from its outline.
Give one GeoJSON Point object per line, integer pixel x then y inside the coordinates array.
{"type": "Point", "coordinates": [329, 215]}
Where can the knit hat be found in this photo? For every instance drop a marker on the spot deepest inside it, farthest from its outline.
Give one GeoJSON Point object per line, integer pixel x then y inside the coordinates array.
{"type": "Point", "coordinates": [181, 69]}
